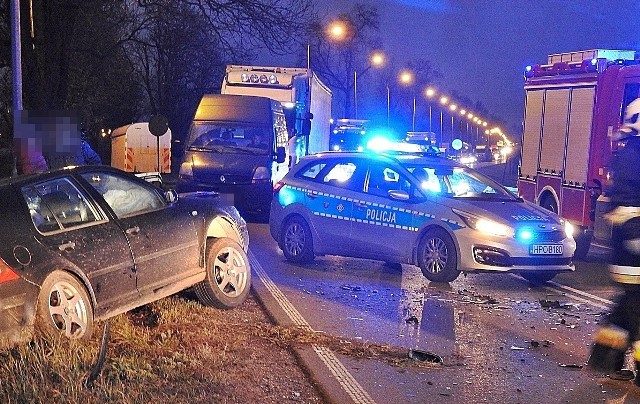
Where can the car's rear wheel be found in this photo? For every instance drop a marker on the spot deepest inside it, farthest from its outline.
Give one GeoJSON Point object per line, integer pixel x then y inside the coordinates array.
{"type": "Point", "coordinates": [228, 275]}
{"type": "Point", "coordinates": [437, 256]}
{"type": "Point", "coordinates": [64, 308]}
{"type": "Point", "coordinates": [297, 242]}
{"type": "Point", "coordinates": [537, 278]}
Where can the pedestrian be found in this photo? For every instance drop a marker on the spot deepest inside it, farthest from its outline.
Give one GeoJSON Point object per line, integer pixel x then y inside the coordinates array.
{"type": "Point", "coordinates": [622, 328]}
{"type": "Point", "coordinates": [77, 153]}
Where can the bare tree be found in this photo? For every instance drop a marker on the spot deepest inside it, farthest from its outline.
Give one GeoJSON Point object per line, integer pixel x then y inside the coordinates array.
{"type": "Point", "coordinates": [336, 61]}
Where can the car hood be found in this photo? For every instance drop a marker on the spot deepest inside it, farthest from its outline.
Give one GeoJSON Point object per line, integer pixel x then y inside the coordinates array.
{"type": "Point", "coordinates": [510, 211]}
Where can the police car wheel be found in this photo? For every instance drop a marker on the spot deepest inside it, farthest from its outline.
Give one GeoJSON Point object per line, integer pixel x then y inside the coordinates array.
{"type": "Point", "coordinates": [537, 278]}
{"type": "Point", "coordinates": [297, 242]}
{"type": "Point", "coordinates": [437, 256]}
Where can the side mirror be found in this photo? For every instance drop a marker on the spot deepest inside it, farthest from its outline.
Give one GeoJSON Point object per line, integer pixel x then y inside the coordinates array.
{"type": "Point", "coordinates": [398, 195]}
{"type": "Point", "coordinates": [306, 124]}
{"type": "Point", "coordinates": [171, 196]}
{"type": "Point", "coordinates": [281, 154]}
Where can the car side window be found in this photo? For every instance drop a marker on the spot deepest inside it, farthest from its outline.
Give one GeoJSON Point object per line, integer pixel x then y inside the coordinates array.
{"type": "Point", "coordinates": [125, 196]}
{"type": "Point", "coordinates": [383, 179]}
{"type": "Point", "coordinates": [312, 171]}
{"type": "Point", "coordinates": [341, 175]}
{"type": "Point", "coordinates": [58, 204]}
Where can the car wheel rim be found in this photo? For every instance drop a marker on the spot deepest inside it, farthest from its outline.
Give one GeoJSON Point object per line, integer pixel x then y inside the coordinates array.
{"type": "Point", "coordinates": [230, 270]}
{"type": "Point", "coordinates": [295, 239]}
{"type": "Point", "coordinates": [68, 310]}
{"type": "Point", "coordinates": [435, 255]}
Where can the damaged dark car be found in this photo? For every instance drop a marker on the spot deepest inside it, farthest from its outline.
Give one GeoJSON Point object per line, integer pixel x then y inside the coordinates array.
{"type": "Point", "coordinates": [84, 244]}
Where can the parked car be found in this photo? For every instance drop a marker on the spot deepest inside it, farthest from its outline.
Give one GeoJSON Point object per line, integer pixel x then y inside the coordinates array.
{"type": "Point", "coordinates": [427, 211]}
{"type": "Point", "coordinates": [87, 243]}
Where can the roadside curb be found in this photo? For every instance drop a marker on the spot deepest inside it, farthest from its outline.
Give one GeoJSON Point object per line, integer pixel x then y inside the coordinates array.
{"type": "Point", "coordinates": [313, 359]}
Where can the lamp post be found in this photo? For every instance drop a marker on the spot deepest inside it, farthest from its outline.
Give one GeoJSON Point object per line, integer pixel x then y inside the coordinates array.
{"type": "Point", "coordinates": [443, 101]}
{"type": "Point", "coordinates": [377, 59]}
{"type": "Point", "coordinates": [430, 93]}
{"type": "Point", "coordinates": [407, 78]}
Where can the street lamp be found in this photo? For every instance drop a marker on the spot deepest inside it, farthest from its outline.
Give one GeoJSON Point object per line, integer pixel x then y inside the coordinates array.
{"type": "Point", "coordinates": [443, 101]}
{"type": "Point", "coordinates": [452, 108]}
{"type": "Point", "coordinates": [430, 93]}
{"type": "Point", "coordinates": [377, 59]}
{"type": "Point", "coordinates": [407, 78]}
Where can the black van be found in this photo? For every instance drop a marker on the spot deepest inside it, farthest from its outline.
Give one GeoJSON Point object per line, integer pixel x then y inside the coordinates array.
{"type": "Point", "coordinates": [237, 145]}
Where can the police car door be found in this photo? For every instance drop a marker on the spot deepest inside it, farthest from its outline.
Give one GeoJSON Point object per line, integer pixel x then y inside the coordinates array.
{"type": "Point", "coordinates": [331, 203]}
{"type": "Point", "coordinates": [382, 220]}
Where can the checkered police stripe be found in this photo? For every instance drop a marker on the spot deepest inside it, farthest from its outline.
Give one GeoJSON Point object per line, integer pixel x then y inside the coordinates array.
{"type": "Point", "coordinates": [373, 205]}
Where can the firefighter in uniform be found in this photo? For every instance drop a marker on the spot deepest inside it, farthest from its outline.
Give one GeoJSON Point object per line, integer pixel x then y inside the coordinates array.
{"type": "Point", "coordinates": [622, 329]}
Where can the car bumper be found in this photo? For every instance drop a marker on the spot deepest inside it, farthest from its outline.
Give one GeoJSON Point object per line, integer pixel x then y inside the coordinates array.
{"type": "Point", "coordinates": [508, 255]}
{"type": "Point", "coordinates": [17, 311]}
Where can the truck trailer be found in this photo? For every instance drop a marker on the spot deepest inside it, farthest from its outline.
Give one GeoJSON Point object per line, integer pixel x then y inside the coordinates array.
{"type": "Point", "coordinates": [573, 104]}
{"type": "Point", "coordinates": [305, 99]}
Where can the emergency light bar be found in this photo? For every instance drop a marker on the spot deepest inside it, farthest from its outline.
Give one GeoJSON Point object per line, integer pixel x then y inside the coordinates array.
{"type": "Point", "coordinates": [565, 68]}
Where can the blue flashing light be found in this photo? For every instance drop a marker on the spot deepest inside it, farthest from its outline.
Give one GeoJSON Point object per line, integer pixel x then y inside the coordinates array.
{"type": "Point", "coordinates": [379, 144]}
{"type": "Point", "coordinates": [525, 235]}
{"type": "Point", "coordinates": [528, 68]}
{"type": "Point", "coordinates": [286, 196]}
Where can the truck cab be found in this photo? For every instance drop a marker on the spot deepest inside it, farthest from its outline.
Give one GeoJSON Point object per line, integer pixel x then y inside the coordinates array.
{"type": "Point", "coordinates": [236, 146]}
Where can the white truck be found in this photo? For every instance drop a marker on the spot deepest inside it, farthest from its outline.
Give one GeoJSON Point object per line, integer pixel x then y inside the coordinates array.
{"type": "Point", "coordinates": [136, 150]}
{"type": "Point", "coordinates": [305, 99]}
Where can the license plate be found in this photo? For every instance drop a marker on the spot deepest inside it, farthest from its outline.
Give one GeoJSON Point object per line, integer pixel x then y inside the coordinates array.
{"type": "Point", "coordinates": [545, 249]}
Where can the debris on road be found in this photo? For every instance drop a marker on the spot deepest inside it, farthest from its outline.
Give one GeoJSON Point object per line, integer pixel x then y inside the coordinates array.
{"type": "Point", "coordinates": [424, 356]}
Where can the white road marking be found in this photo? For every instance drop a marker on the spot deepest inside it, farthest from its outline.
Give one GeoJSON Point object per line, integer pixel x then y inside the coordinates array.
{"type": "Point", "coordinates": [337, 369]}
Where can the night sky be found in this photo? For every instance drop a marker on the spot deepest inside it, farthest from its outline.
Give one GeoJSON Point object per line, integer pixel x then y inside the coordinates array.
{"type": "Point", "coordinates": [481, 47]}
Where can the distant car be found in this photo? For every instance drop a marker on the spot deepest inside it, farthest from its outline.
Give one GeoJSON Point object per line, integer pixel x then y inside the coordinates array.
{"type": "Point", "coordinates": [87, 243]}
{"type": "Point", "coordinates": [427, 211]}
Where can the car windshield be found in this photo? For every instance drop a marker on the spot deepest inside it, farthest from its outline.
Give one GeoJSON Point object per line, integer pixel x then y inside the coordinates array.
{"type": "Point", "coordinates": [459, 182]}
{"type": "Point", "coordinates": [230, 138]}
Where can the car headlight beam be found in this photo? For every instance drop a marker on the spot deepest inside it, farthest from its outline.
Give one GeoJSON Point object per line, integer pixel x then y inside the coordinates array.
{"type": "Point", "coordinates": [569, 229]}
{"type": "Point", "coordinates": [484, 225]}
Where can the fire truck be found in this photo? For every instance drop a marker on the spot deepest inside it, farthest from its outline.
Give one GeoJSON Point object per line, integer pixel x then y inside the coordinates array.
{"type": "Point", "coordinates": [573, 104]}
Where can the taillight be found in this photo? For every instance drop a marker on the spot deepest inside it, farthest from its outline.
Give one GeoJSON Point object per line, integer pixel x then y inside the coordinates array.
{"type": "Point", "coordinates": [6, 272]}
{"type": "Point", "coordinates": [277, 186]}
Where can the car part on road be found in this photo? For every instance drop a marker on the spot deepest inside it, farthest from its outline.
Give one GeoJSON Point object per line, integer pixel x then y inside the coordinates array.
{"type": "Point", "coordinates": [297, 242]}
{"type": "Point", "coordinates": [437, 257]}
{"type": "Point", "coordinates": [64, 307]}
{"type": "Point", "coordinates": [424, 356]}
{"type": "Point", "coordinates": [228, 275]}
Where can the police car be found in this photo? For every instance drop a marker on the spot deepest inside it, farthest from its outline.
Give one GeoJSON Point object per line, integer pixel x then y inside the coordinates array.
{"type": "Point", "coordinates": [427, 211]}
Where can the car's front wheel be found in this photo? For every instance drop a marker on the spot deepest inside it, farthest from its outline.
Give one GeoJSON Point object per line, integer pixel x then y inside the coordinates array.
{"type": "Point", "coordinates": [228, 275]}
{"type": "Point", "coordinates": [537, 278]}
{"type": "Point", "coordinates": [64, 308]}
{"type": "Point", "coordinates": [437, 256]}
{"type": "Point", "coordinates": [297, 242]}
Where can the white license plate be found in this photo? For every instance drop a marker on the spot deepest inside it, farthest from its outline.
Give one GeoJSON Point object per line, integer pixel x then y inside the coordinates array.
{"type": "Point", "coordinates": [545, 249]}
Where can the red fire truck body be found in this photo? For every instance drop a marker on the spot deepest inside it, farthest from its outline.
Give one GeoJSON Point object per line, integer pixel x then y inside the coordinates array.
{"type": "Point", "coordinates": [573, 104]}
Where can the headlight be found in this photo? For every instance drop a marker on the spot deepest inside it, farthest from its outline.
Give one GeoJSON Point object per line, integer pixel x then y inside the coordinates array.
{"type": "Point", "coordinates": [568, 229]}
{"type": "Point", "coordinates": [484, 225]}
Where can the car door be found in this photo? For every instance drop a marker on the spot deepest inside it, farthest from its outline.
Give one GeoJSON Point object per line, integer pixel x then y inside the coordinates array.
{"type": "Point", "coordinates": [382, 225]}
{"type": "Point", "coordinates": [329, 200]}
{"type": "Point", "coordinates": [163, 238]}
{"type": "Point", "coordinates": [70, 223]}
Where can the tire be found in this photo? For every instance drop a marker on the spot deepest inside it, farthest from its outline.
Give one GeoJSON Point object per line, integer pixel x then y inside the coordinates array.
{"type": "Point", "coordinates": [64, 308]}
{"type": "Point", "coordinates": [538, 278]}
{"type": "Point", "coordinates": [296, 241]}
{"type": "Point", "coordinates": [228, 275]}
{"type": "Point", "coordinates": [437, 256]}
{"type": "Point", "coordinates": [583, 243]}
{"type": "Point", "coordinates": [549, 203]}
